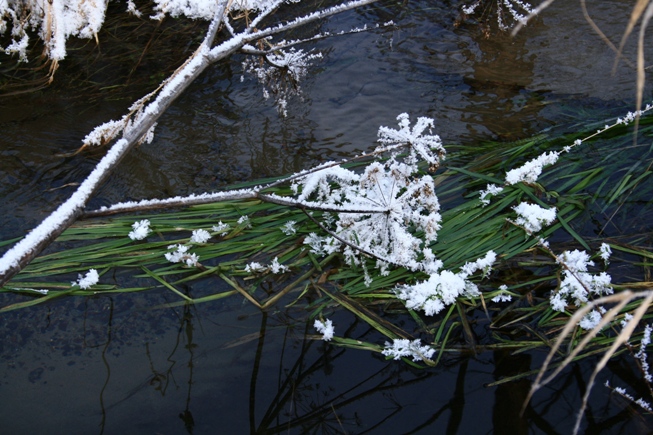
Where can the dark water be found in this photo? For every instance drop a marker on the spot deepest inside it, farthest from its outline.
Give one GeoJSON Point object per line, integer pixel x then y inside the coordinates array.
{"type": "Point", "coordinates": [115, 365]}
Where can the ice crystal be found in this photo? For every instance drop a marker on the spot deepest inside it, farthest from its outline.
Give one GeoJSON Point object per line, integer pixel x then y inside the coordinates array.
{"type": "Point", "coordinates": [289, 228]}
{"type": "Point", "coordinates": [532, 217]}
{"type": "Point", "coordinates": [381, 210]}
{"type": "Point", "coordinates": [578, 284]}
{"type": "Point", "coordinates": [244, 221]}
{"type": "Point", "coordinates": [281, 74]}
{"type": "Point", "coordinates": [325, 328]}
{"type": "Point", "coordinates": [531, 170]}
{"type": "Point", "coordinates": [141, 229]}
{"type": "Point", "coordinates": [590, 321]}
{"type": "Point", "coordinates": [85, 282]}
{"type": "Point", "coordinates": [221, 228]}
{"type": "Point", "coordinates": [255, 267]}
{"type": "Point", "coordinates": [276, 267]}
{"type": "Point", "coordinates": [444, 287]}
{"type": "Point", "coordinates": [200, 236]}
{"type": "Point", "coordinates": [504, 296]}
{"type": "Point", "coordinates": [181, 255]}
{"type": "Point", "coordinates": [401, 348]}
{"type": "Point", "coordinates": [604, 252]}
{"type": "Point", "coordinates": [491, 189]}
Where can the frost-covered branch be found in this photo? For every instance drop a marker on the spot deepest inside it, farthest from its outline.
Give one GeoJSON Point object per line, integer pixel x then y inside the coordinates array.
{"type": "Point", "coordinates": [139, 124]}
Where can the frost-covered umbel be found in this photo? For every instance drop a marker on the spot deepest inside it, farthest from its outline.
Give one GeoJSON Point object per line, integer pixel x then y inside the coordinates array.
{"type": "Point", "coordinates": [281, 74]}
{"type": "Point", "coordinates": [388, 211]}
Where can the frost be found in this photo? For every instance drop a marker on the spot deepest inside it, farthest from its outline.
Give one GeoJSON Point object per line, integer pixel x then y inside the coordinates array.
{"type": "Point", "coordinates": [443, 288]}
{"type": "Point", "coordinates": [532, 217]}
{"type": "Point", "coordinates": [244, 221]}
{"type": "Point", "coordinates": [276, 267]}
{"type": "Point", "coordinates": [255, 267]}
{"type": "Point", "coordinates": [401, 348]}
{"type": "Point", "coordinates": [200, 236]}
{"type": "Point", "coordinates": [282, 74]}
{"type": "Point", "coordinates": [181, 255]}
{"type": "Point", "coordinates": [428, 147]}
{"type": "Point", "coordinates": [504, 296]}
{"type": "Point", "coordinates": [491, 189]}
{"type": "Point", "coordinates": [289, 228]}
{"type": "Point", "coordinates": [578, 284]}
{"type": "Point", "coordinates": [508, 12]}
{"type": "Point", "coordinates": [590, 321]}
{"type": "Point", "coordinates": [531, 170]}
{"type": "Point", "coordinates": [379, 212]}
{"type": "Point", "coordinates": [140, 230]}
{"type": "Point", "coordinates": [221, 228]}
{"type": "Point", "coordinates": [604, 252]}
{"type": "Point", "coordinates": [85, 282]}
{"type": "Point", "coordinates": [325, 328]}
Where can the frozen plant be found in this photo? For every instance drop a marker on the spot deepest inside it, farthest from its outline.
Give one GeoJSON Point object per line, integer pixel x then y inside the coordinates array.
{"type": "Point", "coordinates": [604, 252]}
{"type": "Point", "coordinates": [289, 228]}
{"type": "Point", "coordinates": [281, 73]}
{"type": "Point", "coordinates": [221, 228]}
{"type": "Point", "coordinates": [444, 287]}
{"type": "Point", "coordinates": [491, 189]}
{"type": "Point", "coordinates": [325, 328]}
{"type": "Point", "coordinates": [381, 211]}
{"type": "Point", "coordinates": [244, 221]}
{"type": "Point", "coordinates": [591, 320]}
{"type": "Point", "coordinates": [532, 217]}
{"type": "Point", "coordinates": [85, 282]}
{"type": "Point", "coordinates": [401, 348]}
{"type": "Point", "coordinates": [200, 236]}
{"type": "Point", "coordinates": [578, 284]}
{"type": "Point", "coordinates": [275, 267]}
{"type": "Point", "coordinates": [181, 255]}
{"type": "Point", "coordinates": [255, 267]}
{"type": "Point", "coordinates": [531, 170]}
{"type": "Point", "coordinates": [141, 230]}
{"type": "Point", "coordinates": [503, 296]}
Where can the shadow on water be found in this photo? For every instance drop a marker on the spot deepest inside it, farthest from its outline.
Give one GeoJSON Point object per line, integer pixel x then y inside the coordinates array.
{"type": "Point", "coordinates": [115, 364]}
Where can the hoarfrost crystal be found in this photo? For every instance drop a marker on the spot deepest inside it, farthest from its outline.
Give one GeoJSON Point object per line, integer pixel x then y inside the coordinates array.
{"type": "Point", "coordinates": [200, 236]}
{"type": "Point", "coordinates": [400, 348]}
{"type": "Point", "coordinates": [141, 229]}
{"type": "Point", "coordinates": [325, 328]}
{"type": "Point", "coordinates": [85, 282]}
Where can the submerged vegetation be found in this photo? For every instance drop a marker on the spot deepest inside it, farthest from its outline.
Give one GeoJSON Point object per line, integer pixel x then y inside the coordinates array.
{"type": "Point", "coordinates": [543, 243]}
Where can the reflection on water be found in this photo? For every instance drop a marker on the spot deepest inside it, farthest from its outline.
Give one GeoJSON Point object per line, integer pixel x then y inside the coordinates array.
{"type": "Point", "coordinates": [111, 367]}
{"type": "Point", "coordinates": [114, 364]}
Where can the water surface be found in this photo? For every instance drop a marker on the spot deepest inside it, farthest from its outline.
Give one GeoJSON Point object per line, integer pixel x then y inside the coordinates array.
{"type": "Point", "coordinates": [113, 364]}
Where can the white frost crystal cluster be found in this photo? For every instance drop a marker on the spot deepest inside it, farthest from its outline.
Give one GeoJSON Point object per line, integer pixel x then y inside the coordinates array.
{"type": "Point", "coordinates": [325, 328]}
{"type": "Point", "coordinates": [400, 348]}
{"type": "Point", "coordinates": [530, 171]}
{"type": "Point", "coordinates": [85, 282]}
{"type": "Point", "coordinates": [381, 210]}
{"type": "Point", "coordinates": [275, 267]}
{"type": "Point", "coordinates": [578, 284]}
{"type": "Point", "coordinates": [141, 230]}
{"type": "Point", "coordinates": [443, 287]}
{"type": "Point", "coordinates": [281, 74]}
{"type": "Point", "coordinates": [532, 217]}
{"type": "Point", "coordinates": [181, 255]}
{"type": "Point", "coordinates": [200, 236]}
